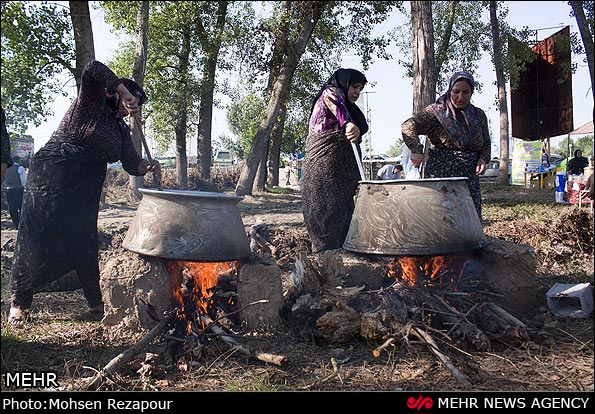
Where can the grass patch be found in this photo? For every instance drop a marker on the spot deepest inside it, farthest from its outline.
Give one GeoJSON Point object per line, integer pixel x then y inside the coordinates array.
{"type": "Point", "coordinates": [281, 190]}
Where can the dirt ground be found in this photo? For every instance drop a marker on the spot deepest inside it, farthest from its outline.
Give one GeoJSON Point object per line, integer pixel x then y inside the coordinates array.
{"type": "Point", "coordinates": [558, 356]}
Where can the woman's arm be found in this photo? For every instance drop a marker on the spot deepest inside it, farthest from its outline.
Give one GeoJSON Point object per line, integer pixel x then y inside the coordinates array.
{"type": "Point", "coordinates": [96, 78]}
{"type": "Point", "coordinates": [411, 129]}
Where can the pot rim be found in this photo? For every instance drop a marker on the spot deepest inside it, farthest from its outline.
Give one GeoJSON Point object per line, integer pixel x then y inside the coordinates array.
{"type": "Point", "coordinates": [417, 180]}
{"type": "Point", "coordinates": [197, 194]}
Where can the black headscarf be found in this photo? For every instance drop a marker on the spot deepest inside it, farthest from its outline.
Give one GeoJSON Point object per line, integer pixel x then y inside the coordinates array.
{"type": "Point", "coordinates": [447, 114]}
{"type": "Point", "coordinates": [113, 101]}
{"type": "Point", "coordinates": [342, 79]}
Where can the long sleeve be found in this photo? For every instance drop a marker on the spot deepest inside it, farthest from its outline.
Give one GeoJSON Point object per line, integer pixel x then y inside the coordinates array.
{"type": "Point", "coordinates": [130, 158]}
{"type": "Point", "coordinates": [330, 112]}
{"type": "Point", "coordinates": [91, 122]}
{"type": "Point", "coordinates": [22, 175]}
{"type": "Point", "coordinates": [423, 123]}
{"type": "Point", "coordinates": [334, 100]}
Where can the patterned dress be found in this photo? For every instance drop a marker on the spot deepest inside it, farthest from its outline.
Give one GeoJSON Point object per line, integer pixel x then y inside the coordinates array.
{"type": "Point", "coordinates": [455, 148]}
{"type": "Point", "coordinates": [330, 174]}
{"type": "Point", "coordinates": [58, 228]}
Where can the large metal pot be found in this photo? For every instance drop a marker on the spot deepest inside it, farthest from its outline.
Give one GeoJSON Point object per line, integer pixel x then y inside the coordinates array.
{"type": "Point", "coordinates": [188, 225]}
{"type": "Point", "coordinates": [433, 216]}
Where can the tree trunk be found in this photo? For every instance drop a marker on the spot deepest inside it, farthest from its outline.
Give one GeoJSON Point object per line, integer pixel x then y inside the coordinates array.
{"type": "Point", "coordinates": [261, 173]}
{"type": "Point", "coordinates": [443, 48]}
{"type": "Point", "coordinates": [424, 76]}
{"type": "Point", "coordinates": [83, 36]}
{"type": "Point", "coordinates": [138, 74]}
{"type": "Point", "coordinates": [205, 117]}
{"type": "Point", "coordinates": [278, 95]}
{"type": "Point", "coordinates": [180, 122]}
{"type": "Point", "coordinates": [587, 36]}
{"type": "Point", "coordinates": [502, 105]}
{"type": "Point", "coordinates": [275, 63]}
{"type": "Point", "coordinates": [275, 148]}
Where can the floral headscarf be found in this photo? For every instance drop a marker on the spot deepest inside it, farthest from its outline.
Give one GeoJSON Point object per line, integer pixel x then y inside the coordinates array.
{"type": "Point", "coordinates": [448, 115]}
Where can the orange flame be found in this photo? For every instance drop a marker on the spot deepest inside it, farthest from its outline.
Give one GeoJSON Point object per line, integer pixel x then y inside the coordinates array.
{"type": "Point", "coordinates": [429, 270]}
{"type": "Point", "coordinates": [194, 283]}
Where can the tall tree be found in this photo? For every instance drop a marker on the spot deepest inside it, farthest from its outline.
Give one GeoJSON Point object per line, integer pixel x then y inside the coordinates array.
{"type": "Point", "coordinates": [138, 74]}
{"type": "Point", "coordinates": [501, 85]}
{"type": "Point", "coordinates": [210, 48]}
{"type": "Point", "coordinates": [83, 36]}
{"type": "Point", "coordinates": [37, 46]}
{"type": "Point", "coordinates": [586, 34]}
{"type": "Point", "coordinates": [339, 28]}
{"type": "Point", "coordinates": [281, 40]}
{"type": "Point", "coordinates": [310, 16]}
{"type": "Point", "coordinates": [424, 64]}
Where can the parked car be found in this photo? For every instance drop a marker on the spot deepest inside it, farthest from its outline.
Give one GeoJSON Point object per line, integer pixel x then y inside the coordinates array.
{"type": "Point", "coordinates": [492, 169]}
{"type": "Point", "coordinates": [375, 157]}
{"type": "Point", "coordinates": [223, 158]}
{"type": "Point", "coordinates": [382, 157]}
{"type": "Point", "coordinates": [167, 162]}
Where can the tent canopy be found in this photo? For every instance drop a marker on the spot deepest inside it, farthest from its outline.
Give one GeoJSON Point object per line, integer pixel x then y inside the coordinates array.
{"type": "Point", "coordinates": [583, 129]}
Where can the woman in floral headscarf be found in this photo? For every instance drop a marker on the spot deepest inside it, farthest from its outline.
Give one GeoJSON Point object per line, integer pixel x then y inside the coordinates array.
{"type": "Point", "coordinates": [458, 134]}
{"type": "Point", "coordinates": [330, 172]}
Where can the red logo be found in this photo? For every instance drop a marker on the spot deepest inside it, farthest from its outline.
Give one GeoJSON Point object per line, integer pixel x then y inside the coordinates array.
{"type": "Point", "coordinates": [420, 403]}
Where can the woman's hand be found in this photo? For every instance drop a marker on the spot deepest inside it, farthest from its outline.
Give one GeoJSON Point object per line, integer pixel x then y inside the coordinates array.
{"type": "Point", "coordinates": [481, 167]}
{"type": "Point", "coordinates": [352, 131]}
{"type": "Point", "coordinates": [127, 100]}
{"type": "Point", "coordinates": [144, 167]}
{"type": "Point", "coordinates": [416, 159]}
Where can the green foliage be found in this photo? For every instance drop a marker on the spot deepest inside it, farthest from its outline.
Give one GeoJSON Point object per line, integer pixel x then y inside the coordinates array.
{"type": "Point", "coordinates": [469, 38]}
{"type": "Point", "coordinates": [395, 149]}
{"type": "Point", "coordinates": [340, 27]}
{"type": "Point", "coordinates": [243, 117]}
{"type": "Point", "coordinates": [585, 144]}
{"type": "Point", "coordinates": [37, 45]}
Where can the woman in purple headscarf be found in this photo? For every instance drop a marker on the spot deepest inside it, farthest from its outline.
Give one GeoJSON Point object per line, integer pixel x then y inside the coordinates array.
{"type": "Point", "coordinates": [330, 173]}
{"type": "Point", "coordinates": [458, 134]}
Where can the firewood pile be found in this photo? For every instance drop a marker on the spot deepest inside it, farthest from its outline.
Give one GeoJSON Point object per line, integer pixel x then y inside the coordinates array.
{"type": "Point", "coordinates": [387, 310]}
{"type": "Point", "coordinates": [194, 308]}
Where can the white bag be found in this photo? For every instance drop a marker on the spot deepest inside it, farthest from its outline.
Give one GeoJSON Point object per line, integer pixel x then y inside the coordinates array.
{"type": "Point", "coordinates": [411, 172]}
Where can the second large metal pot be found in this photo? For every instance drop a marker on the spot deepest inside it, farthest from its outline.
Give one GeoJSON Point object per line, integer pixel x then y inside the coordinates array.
{"type": "Point", "coordinates": [188, 225]}
{"type": "Point", "coordinates": [414, 217]}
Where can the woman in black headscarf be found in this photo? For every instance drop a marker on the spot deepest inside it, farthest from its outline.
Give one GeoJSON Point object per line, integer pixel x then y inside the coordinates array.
{"type": "Point", "coordinates": [458, 134]}
{"type": "Point", "coordinates": [58, 225]}
{"type": "Point", "coordinates": [330, 173]}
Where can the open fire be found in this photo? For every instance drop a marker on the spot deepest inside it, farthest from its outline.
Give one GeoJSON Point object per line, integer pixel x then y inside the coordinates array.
{"type": "Point", "coordinates": [446, 272]}
{"type": "Point", "coordinates": [203, 289]}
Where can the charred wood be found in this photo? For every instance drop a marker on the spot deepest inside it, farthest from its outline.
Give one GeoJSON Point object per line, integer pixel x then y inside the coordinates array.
{"type": "Point", "coordinates": [127, 355]}
{"type": "Point", "coordinates": [261, 356]}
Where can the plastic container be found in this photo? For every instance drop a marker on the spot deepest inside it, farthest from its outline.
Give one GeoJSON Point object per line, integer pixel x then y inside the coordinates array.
{"type": "Point", "coordinates": [560, 187]}
{"type": "Point", "coordinates": [560, 182]}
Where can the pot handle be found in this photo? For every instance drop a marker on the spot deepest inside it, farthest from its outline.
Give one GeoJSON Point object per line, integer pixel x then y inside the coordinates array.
{"type": "Point", "coordinates": [358, 160]}
{"type": "Point", "coordinates": [146, 146]}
